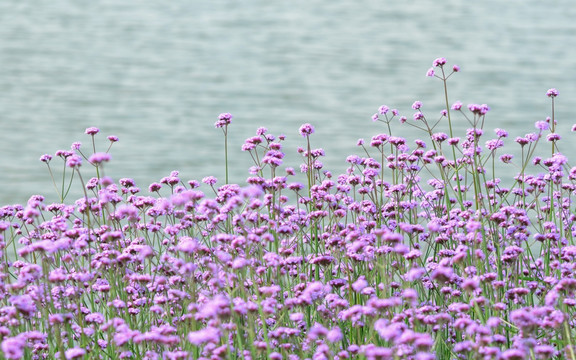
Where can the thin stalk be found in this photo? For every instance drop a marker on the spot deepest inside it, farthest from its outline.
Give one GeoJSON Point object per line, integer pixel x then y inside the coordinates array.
{"type": "Point", "coordinates": [226, 151]}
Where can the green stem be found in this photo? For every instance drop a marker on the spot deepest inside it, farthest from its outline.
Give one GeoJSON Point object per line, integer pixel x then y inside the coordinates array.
{"type": "Point", "coordinates": [226, 151]}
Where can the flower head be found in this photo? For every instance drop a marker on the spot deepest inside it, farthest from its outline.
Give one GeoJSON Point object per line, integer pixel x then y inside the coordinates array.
{"type": "Point", "coordinates": [224, 119]}
{"type": "Point", "coordinates": [418, 116]}
{"type": "Point", "coordinates": [552, 93]}
{"type": "Point", "coordinates": [209, 180]}
{"type": "Point", "coordinates": [501, 133]}
{"type": "Point", "coordinates": [542, 125]}
{"type": "Point", "coordinates": [46, 158]}
{"type": "Point", "coordinates": [479, 109]}
{"type": "Point", "coordinates": [457, 105]}
{"type": "Point", "coordinates": [208, 334]}
{"type": "Point", "coordinates": [99, 157]}
{"type": "Point", "coordinates": [439, 62]}
{"type": "Point", "coordinates": [74, 161]}
{"type": "Point", "coordinates": [92, 131]}
{"type": "Point", "coordinates": [306, 130]}
{"type": "Point", "coordinates": [75, 353]}
{"type": "Point", "coordinates": [13, 348]}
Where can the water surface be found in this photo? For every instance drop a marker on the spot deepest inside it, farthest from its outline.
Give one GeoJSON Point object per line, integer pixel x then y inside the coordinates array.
{"type": "Point", "coordinates": [157, 74]}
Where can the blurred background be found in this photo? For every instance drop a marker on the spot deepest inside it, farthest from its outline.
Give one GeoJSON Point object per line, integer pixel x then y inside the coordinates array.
{"type": "Point", "coordinates": [158, 73]}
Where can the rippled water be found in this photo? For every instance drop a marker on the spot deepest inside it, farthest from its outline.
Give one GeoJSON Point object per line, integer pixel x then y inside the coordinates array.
{"type": "Point", "coordinates": [157, 74]}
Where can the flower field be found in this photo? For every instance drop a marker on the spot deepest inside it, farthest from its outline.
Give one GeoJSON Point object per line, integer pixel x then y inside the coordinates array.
{"type": "Point", "coordinates": [417, 251]}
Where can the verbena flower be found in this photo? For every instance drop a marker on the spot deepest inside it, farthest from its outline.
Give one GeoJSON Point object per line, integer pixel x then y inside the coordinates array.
{"type": "Point", "coordinates": [99, 157]}
{"type": "Point", "coordinates": [306, 130]}
{"type": "Point", "coordinates": [224, 119]}
{"type": "Point", "coordinates": [439, 62]}
{"type": "Point", "coordinates": [552, 93]}
{"type": "Point", "coordinates": [92, 131]}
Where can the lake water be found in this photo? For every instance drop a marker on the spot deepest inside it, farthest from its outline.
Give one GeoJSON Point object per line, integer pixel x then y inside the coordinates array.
{"type": "Point", "coordinates": [158, 73]}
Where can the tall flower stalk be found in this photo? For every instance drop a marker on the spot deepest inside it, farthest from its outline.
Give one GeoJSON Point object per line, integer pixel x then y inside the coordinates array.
{"type": "Point", "coordinates": [223, 121]}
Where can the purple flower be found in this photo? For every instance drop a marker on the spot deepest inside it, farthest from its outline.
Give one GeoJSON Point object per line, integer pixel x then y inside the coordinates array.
{"type": "Point", "coordinates": [75, 353]}
{"type": "Point", "coordinates": [494, 144]}
{"type": "Point", "coordinates": [208, 334]}
{"type": "Point", "coordinates": [414, 274]}
{"type": "Point", "coordinates": [74, 161]}
{"type": "Point", "coordinates": [439, 62]}
{"type": "Point", "coordinates": [24, 303]}
{"type": "Point", "coordinates": [224, 120]}
{"type": "Point", "coordinates": [92, 131]}
{"type": "Point", "coordinates": [470, 284]}
{"type": "Point", "coordinates": [430, 72]}
{"type": "Point", "coordinates": [416, 105]}
{"type": "Point", "coordinates": [456, 68]}
{"type": "Point", "coordinates": [117, 303]}
{"type": "Point", "coordinates": [46, 158]}
{"type": "Point", "coordinates": [522, 140]}
{"type": "Point", "coordinates": [389, 332]}
{"type": "Point", "coordinates": [113, 138]}
{"type": "Point", "coordinates": [457, 105]}
{"type": "Point", "coordinates": [542, 125]}
{"type": "Point", "coordinates": [296, 317]}
{"type": "Point", "coordinates": [418, 116]}
{"type": "Point", "coordinates": [545, 351]}
{"type": "Point", "coordinates": [501, 133]}
{"type": "Point", "coordinates": [442, 274]}
{"type": "Point", "coordinates": [513, 354]}
{"type": "Point", "coordinates": [463, 346]}
{"type": "Point", "coordinates": [209, 180]}
{"type": "Point", "coordinates": [99, 157]}
{"type": "Point", "coordinates": [334, 335]}
{"type": "Point", "coordinates": [453, 141]}
{"type": "Point", "coordinates": [127, 211]}
{"type": "Point", "coordinates": [127, 182]}
{"type": "Point", "coordinates": [97, 318]}
{"type": "Point", "coordinates": [154, 187]}
{"type": "Point", "coordinates": [376, 353]}
{"type": "Point", "coordinates": [306, 130]}
{"type": "Point", "coordinates": [383, 109]}
{"type": "Point", "coordinates": [13, 348]}
{"type": "Point", "coordinates": [316, 331]}
{"type": "Point", "coordinates": [479, 109]}
{"type": "Point", "coordinates": [506, 158]}
{"type": "Point", "coordinates": [552, 93]}
{"type": "Point", "coordinates": [64, 153]}
{"type": "Point", "coordinates": [439, 137]}
{"type": "Point", "coordinates": [360, 284]}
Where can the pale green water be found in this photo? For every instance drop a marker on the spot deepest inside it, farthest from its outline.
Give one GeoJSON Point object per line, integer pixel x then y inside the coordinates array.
{"type": "Point", "coordinates": [157, 74]}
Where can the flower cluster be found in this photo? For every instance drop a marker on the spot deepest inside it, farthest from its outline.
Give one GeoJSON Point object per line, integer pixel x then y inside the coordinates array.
{"type": "Point", "coordinates": [223, 120]}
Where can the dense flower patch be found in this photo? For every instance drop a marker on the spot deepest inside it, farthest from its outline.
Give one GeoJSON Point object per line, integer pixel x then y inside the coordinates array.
{"type": "Point", "coordinates": [417, 251]}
